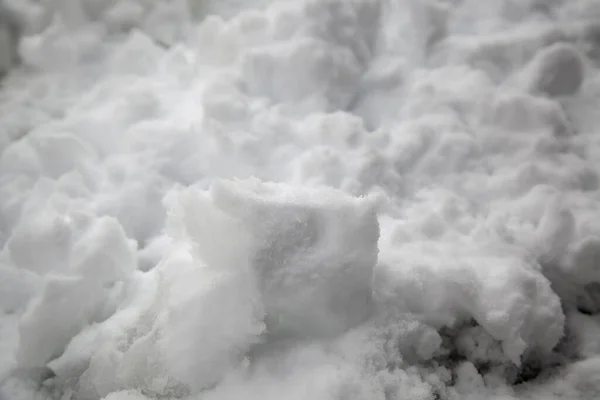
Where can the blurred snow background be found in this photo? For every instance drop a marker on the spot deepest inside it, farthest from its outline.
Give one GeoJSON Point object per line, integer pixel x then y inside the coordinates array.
{"type": "Point", "coordinates": [325, 199]}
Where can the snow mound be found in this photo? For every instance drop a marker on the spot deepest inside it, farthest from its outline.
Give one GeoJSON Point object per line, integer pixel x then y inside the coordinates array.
{"type": "Point", "coordinates": [137, 261]}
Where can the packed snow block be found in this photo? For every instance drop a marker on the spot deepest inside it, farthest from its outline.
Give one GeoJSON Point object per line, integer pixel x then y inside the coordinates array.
{"type": "Point", "coordinates": [557, 70]}
{"type": "Point", "coordinates": [506, 294]}
{"type": "Point", "coordinates": [254, 261]}
{"type": "Point", "coordinates": [311, 250]}
{"type": "Point", "coordinates": [314, 253]}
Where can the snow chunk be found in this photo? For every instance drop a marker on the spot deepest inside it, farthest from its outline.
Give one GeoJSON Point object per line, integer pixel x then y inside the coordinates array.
{"type": "Point", "coordinates": [507, 295]}
{"type": "Point", "coordinates": [579, 380]}
{"type": "Point", "coordinates": [585, 332]}
{"type": "Point", "coordinates": [313, 251]}
{"type": "Point", "coordinates": [583, 376]}
{"type": "Point", "coordinates": [303, 256]}
{"type": "Point", "coordinates": [478, 347]}
{"type": "Point", "coordinates": [524, 113]}
{"type": "Point", "coordinates": [557, 70]}
{"type": "Point", "coordinates": [468, 379]}
{"type": "Point", "coordinates": [582, 264]}
{"type": "Point", "coordinates": [250, 257]}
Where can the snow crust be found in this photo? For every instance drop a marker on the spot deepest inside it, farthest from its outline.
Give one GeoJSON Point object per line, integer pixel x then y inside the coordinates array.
{"type": "Point", "coordinates": [329, 199]}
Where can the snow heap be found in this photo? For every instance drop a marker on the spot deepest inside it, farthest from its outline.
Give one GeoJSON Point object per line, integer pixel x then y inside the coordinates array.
{"type": "Point", "coordinates": [330, 199]}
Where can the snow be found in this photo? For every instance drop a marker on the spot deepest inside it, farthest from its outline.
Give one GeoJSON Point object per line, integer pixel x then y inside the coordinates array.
{"type": "Point", "coordinates": [329, 199]}
{"type": "Point", "coordinates": [311, 251]}
{"type": "Point", "coordinates": [558, 70]}
{"type": "Point", "coordinates": [510, 299]}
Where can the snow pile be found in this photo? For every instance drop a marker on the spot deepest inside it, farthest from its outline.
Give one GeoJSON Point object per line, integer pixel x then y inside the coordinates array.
{"type": "Point", "coordinates": [338, 199]}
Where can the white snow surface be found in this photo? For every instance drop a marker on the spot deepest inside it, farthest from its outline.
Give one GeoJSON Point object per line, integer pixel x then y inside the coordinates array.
{"type": "Point", "coordinates": [324, 199]}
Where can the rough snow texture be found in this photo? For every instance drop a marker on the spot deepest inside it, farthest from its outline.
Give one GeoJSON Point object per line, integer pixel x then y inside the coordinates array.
{"type": "Point", "coordinates": [329, 199]}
